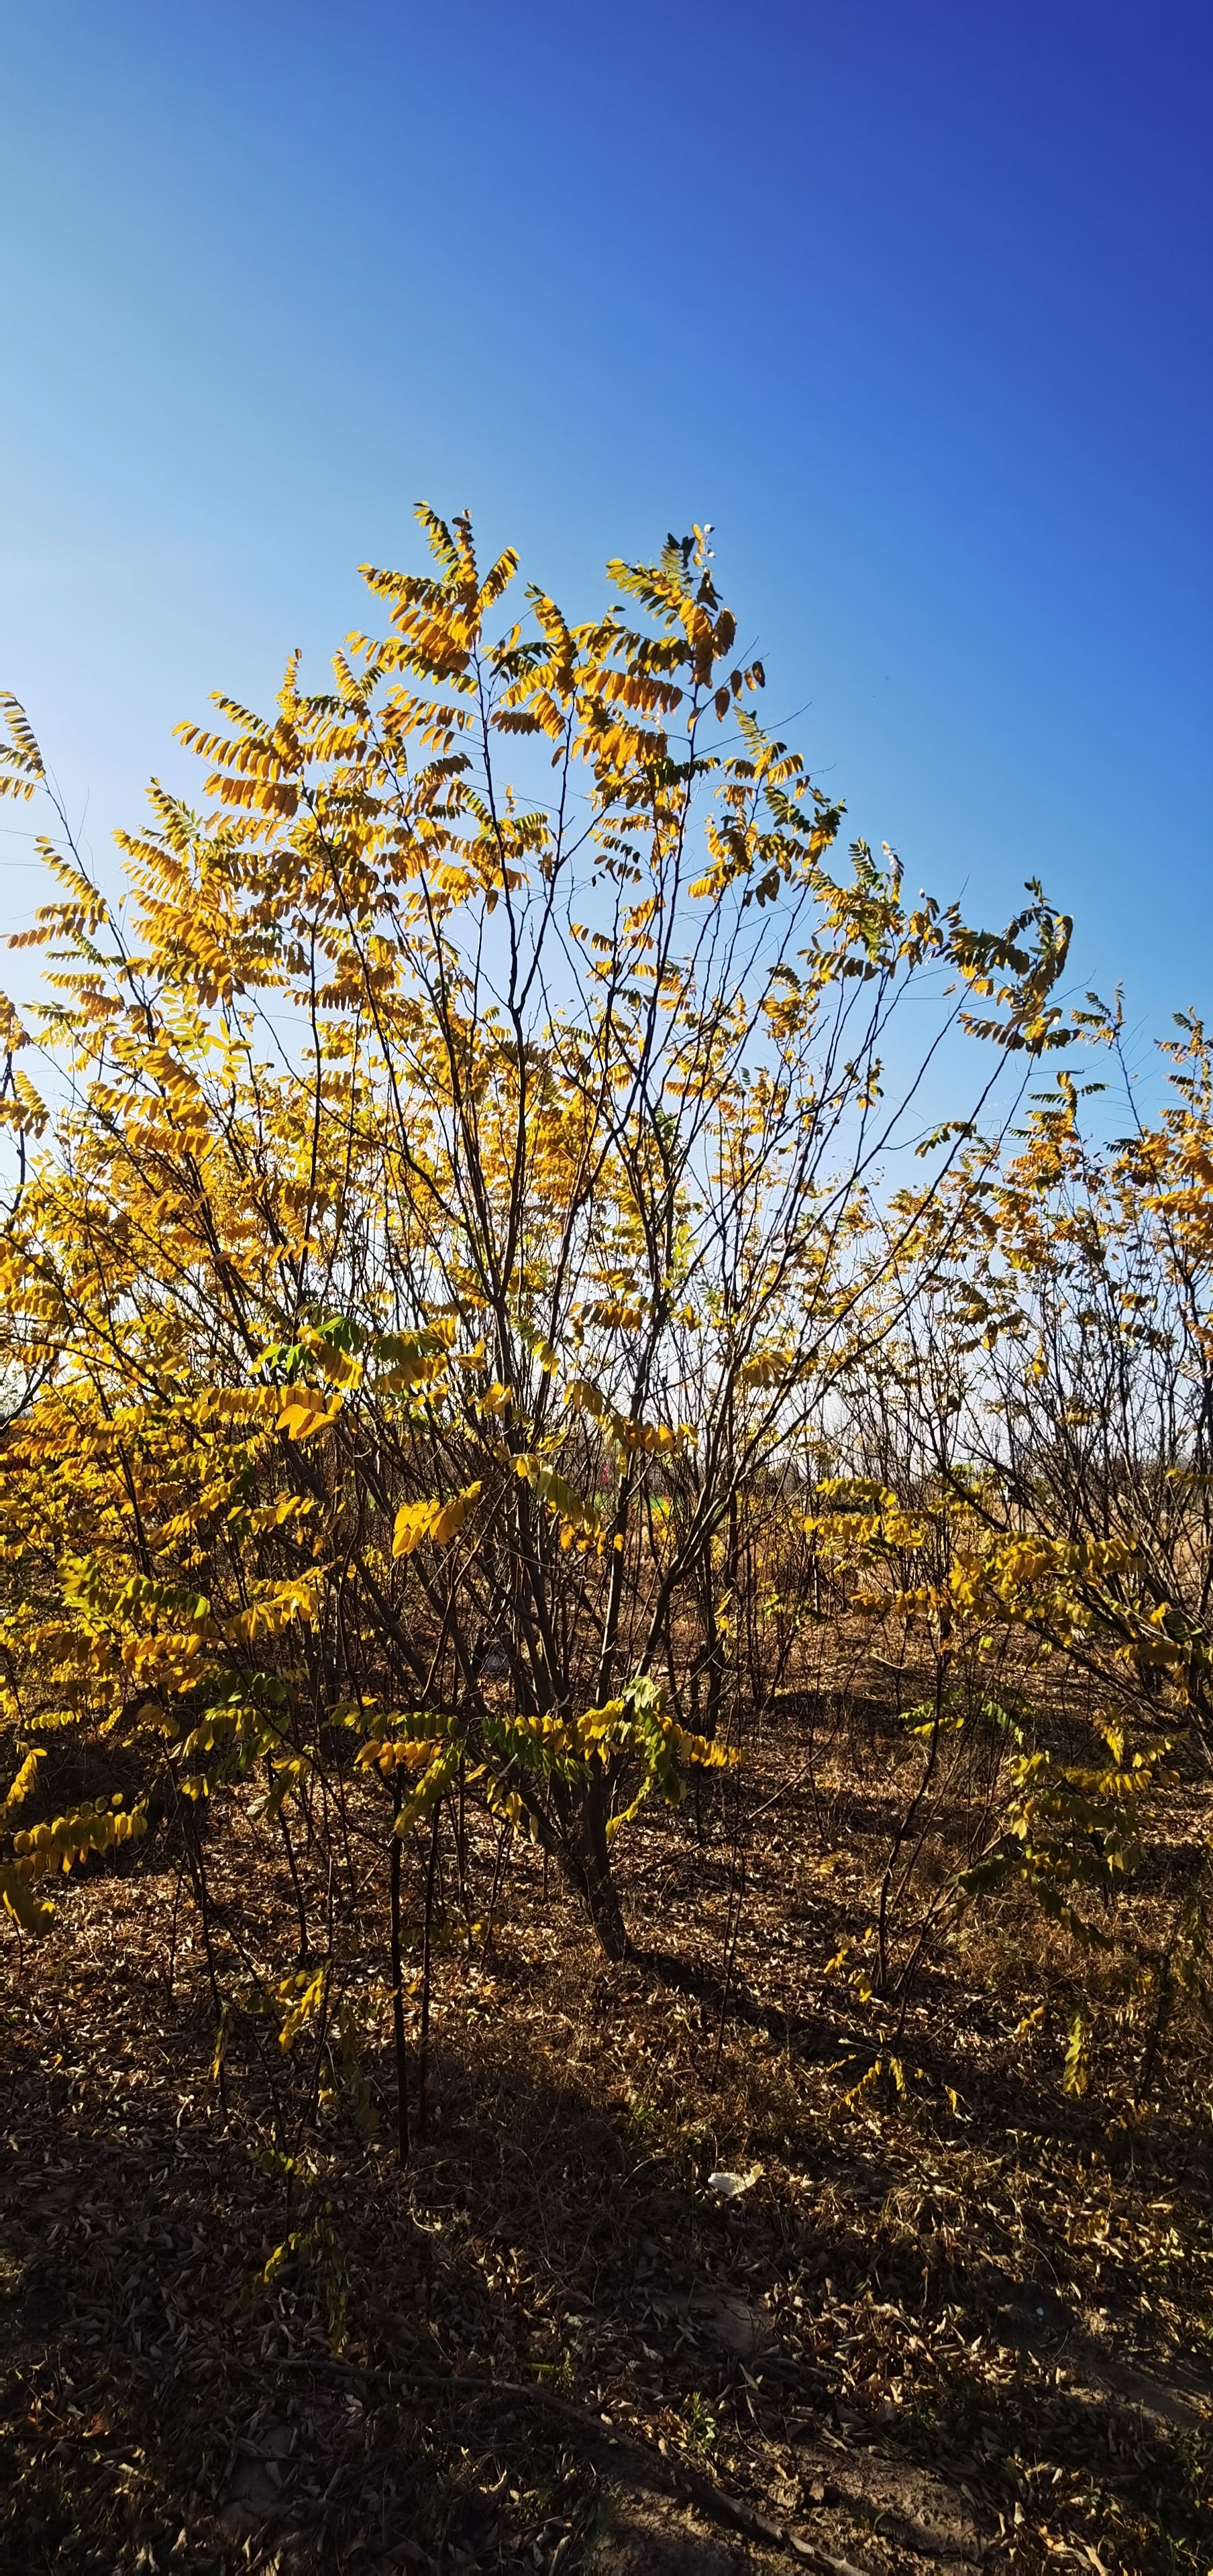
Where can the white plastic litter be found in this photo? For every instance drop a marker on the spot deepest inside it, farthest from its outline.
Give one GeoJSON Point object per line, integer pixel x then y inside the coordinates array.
{"type": "Point", "coordinates": [728, 2185]}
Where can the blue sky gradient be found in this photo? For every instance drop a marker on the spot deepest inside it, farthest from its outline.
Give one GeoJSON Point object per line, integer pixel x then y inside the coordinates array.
{"type": "Point", "coordinates": [911, 299]}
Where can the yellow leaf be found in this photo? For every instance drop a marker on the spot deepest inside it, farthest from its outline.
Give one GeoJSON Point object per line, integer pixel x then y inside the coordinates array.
{"type": "Point", "coordinates": [438, 1522]}
{"type": "Point", "coordinates": [33, 1913]}
{"type": "Point", "coordinates": [305, 1410]}
{"type": "Point", "coordinates": [24, 1782]}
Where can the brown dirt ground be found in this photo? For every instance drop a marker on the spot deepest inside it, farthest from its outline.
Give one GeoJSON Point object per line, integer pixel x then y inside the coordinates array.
{"type": "Point", "coordinates": [962, 2323]}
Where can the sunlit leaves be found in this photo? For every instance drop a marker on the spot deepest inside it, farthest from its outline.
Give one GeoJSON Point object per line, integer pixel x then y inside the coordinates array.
{"type": "Point", "coordinates": [21, 770]}
{"type": "Point", "coordinates": [436, 1522]}
{"type": "Point", "coordinates": [455, 1208]}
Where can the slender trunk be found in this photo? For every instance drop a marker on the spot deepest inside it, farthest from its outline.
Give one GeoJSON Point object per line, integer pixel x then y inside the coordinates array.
{"type": "Point", "coordinates": [590, 1871]}
{"type": "Point", "coordinates": [1164, 1997]}
{"type": "Point", "coordinates": [461, 1845]}
{"type": "Point", "coordinates": [402, 2072]}
{"type": "Point", "coordinates": [503, 1846]}
{"type": "Point", "coordinates": [171, 1970]}
{"type": "Point", "coordinates": [423, 2056]}
{"type": "Point", "coordinates": [902, 1830]}
{"type": "Point", "coordinates": [606, 1915]}
{"type": "Point", "coordinates": [289, 1848]}
{"type": "Point", "coordinates": [201, 1893]}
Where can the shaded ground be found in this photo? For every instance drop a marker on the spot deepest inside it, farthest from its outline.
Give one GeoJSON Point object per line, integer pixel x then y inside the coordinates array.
{"type": "Point", "coordinates": [955, 2318]}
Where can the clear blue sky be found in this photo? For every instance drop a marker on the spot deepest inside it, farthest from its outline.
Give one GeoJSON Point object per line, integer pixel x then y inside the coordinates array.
{"type": "Point", "coordinates": [910, 297]}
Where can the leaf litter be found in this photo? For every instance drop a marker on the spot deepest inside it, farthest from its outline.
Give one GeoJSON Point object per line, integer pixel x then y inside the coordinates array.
{"type": "Point", "coordinates": [962, 2324]}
